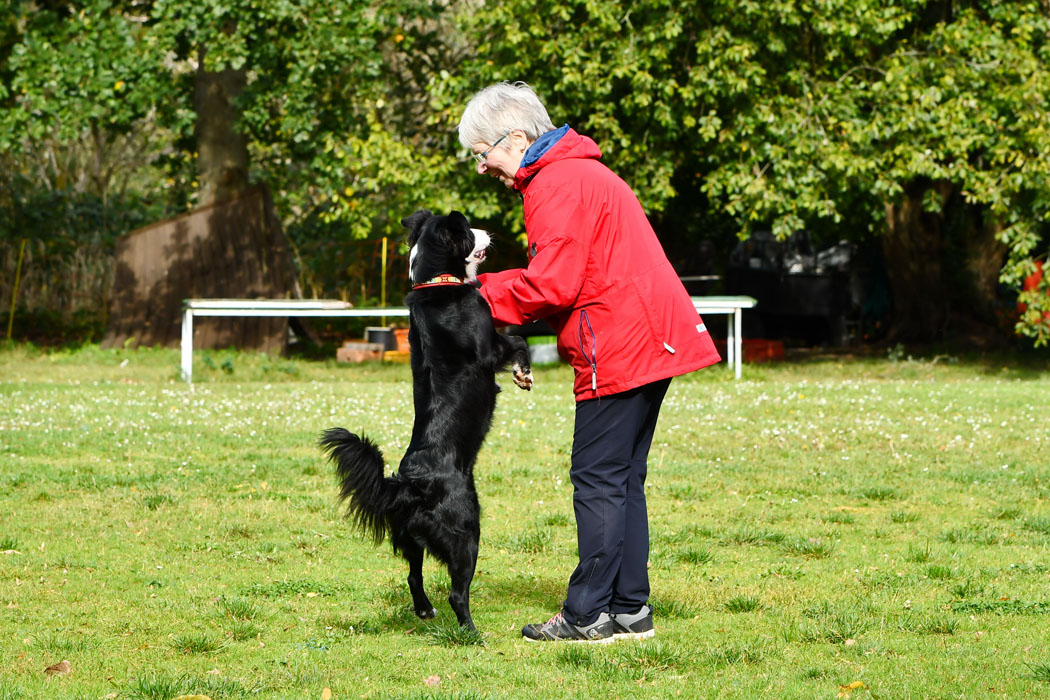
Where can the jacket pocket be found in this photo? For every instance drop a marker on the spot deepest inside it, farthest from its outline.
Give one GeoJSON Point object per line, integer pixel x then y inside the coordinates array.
{"type": "Point", "coordinates": [585, 335]}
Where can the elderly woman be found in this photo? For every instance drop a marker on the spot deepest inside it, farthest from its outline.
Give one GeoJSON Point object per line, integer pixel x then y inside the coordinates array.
{"type": "Point", "coordinates": [597, 273]}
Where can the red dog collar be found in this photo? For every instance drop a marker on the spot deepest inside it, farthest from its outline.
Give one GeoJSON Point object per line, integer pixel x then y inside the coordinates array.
{"type": "Point", "coordinates": [440, 281]}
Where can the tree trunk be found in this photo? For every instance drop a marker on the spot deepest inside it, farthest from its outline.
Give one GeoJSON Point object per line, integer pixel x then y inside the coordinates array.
{"type": "Point", "coordinates": [984, 257]}
{"type": "Point", "coordinates": [913, 248]}
{"type": "Point", "coordinates": [222, 151]}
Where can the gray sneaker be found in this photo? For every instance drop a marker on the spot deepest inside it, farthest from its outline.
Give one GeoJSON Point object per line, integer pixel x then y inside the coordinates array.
{"type": "Point", "coordinates": [636, 625]}
{"type": "Point", "coordinates": [558, 629]}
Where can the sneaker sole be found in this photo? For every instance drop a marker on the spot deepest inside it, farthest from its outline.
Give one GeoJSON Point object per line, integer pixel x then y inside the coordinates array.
{"type": "Point", "coordinates": [648, 634]}
{"type": "Point", "coordinates": [603, 640]}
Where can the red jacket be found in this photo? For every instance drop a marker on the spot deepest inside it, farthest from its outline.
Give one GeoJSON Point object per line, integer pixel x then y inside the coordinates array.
{"type": "Point", "coordinates": [597, 274]}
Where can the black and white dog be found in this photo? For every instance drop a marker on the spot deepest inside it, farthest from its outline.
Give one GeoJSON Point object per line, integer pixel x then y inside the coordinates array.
{"type": "Point", "coordinates": [431, 504]}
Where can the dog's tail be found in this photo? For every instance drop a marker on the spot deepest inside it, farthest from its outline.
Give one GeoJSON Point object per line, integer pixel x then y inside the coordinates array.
{"type": "Point", "coordinates": [359, 465]}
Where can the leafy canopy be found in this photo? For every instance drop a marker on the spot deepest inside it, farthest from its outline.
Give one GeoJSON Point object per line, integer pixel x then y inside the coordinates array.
{"type": "Point", "coordinates": [786, 114]}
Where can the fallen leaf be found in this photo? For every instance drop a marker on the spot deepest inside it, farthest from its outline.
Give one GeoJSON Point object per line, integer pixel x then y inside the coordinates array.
{"type": "Point", "coordinates": [214, 672]}
{"type": "Point", "coordinates": [326, 694]}
{"type": "Point", "coordinates": [61, 667]}
{"type": "Point", "coordinates": [845, 690]}
{"type": "Point", "coordinates": [432, 681]}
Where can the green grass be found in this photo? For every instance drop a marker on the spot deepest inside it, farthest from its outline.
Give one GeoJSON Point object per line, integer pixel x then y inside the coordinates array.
{"type": "Point", "coordinates": [813, 548]}
{"type": "Point", "coordinates": [814, 525]}
{"type": "Point", "coordinates": [743, 604]}
{"type": "Point", "coordinates": [195, 643]}
{"type": "Point", "coordinates": [696, 555]}
{"type": "Point", "coordinates": [840, 518]}
{"type": "Point", "coordinates": [1040, 672]}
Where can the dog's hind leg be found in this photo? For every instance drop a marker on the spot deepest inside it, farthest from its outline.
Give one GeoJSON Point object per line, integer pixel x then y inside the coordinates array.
{"type": "Point", "coordinates": [420, 602]}
{"type": "Point", "coordinates": [461, 565]}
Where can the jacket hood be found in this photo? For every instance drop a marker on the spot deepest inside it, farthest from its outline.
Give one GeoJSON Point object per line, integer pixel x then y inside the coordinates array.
{"type": "Point", "coordinates": [560, 144]}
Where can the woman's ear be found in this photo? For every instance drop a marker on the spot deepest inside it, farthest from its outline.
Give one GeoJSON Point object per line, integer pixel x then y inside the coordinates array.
{"type": "Point", "coordinates": [518, 141]}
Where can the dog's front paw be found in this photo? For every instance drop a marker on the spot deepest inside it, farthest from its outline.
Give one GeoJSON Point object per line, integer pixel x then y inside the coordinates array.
{"type": "Point", "coordinates": [523, 377]}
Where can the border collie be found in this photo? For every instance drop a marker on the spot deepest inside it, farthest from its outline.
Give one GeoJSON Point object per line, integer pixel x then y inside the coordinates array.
{"type": "Point", "coordinates": [430, 504]}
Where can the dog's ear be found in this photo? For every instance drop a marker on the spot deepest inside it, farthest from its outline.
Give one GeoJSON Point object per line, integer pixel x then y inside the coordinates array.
{"type": "Point", "coordinates": [457, 219]}
{"type": "Point", "coordinates": [462, 238]}
{"type": "Point", "coordinates": [413, 222]}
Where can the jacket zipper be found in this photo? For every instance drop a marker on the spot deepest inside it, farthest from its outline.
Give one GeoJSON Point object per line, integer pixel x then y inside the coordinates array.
{"type": "Point", "coordinates": [593, 359]}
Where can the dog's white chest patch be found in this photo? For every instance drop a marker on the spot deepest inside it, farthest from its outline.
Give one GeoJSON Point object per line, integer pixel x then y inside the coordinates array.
{"type": "Point", "coordinates": [411, 263]}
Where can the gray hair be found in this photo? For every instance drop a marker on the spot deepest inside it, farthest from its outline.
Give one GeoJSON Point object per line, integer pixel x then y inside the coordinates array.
{"type": "Point", "coordinates": [502, 108]}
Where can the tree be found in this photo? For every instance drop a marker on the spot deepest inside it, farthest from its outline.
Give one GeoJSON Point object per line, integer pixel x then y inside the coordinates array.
{"type": "Point", "coordinates": [292, 93]}
{"type": "Point", "coordinates": [77, 148]}
{"type": "Point", "coordinates": [297, 90]}
{"type": "Point", "coordinates": [930, 111]}
{"type": "Point", "coordinates": [921, 122]}
{"type": "Point", "coordinates": [78, 95]}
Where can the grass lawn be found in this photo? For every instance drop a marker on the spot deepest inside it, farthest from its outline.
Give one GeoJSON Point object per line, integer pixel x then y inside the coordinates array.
{"type": "Point", "coordinates": [835, 529]}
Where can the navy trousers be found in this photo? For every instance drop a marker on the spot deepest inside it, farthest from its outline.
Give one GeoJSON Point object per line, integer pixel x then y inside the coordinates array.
{"type": "Point", "coordinates": [610, 448]}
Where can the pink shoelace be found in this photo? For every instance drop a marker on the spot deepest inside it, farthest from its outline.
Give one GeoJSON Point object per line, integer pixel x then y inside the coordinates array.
{"type": "Point", "coordinates": [554, 620]}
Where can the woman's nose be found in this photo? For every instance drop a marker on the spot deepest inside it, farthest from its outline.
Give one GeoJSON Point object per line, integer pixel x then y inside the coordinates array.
{"type": "Point", "coordinates": [482, 168]}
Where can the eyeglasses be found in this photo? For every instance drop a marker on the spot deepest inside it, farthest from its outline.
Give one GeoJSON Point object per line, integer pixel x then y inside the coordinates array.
{"type": "Point", "coordinates": [481, 157]}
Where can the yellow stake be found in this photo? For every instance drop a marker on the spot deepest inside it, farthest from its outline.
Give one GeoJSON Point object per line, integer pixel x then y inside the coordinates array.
{"type": "Point", "coordinates": [382, 285]}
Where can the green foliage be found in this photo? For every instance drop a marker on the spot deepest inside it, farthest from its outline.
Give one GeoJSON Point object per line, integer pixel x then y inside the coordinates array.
{"type": "Point", "coordinates": [790, 116]}
{"type": "Point", "coordinates": [74, 68]}
{"type": "Point", "coordinates": [99, 106]}
{"type": "Point", "coordinates": [315, 105]}
{"type": "Point", "coordinates": [776, 115]}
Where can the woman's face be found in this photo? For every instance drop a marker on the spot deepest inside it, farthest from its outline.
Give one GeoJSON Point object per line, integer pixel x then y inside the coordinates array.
{"type": "Point", "coordinates": [503, 160]}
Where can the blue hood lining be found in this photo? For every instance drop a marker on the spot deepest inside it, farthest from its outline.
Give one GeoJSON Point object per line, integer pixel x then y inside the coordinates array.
{"type": "Point", "coordinates": [543, 144]}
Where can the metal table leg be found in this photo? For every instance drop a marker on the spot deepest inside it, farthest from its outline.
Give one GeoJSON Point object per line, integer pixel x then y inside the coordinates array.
{"type": "Point", "coordinates": [187, 345]}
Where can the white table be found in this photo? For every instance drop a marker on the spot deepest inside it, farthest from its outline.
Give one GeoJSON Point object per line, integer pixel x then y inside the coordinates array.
{"type": "Point", "coordinates": [733, 308]}
{"type": "Point", "coordinates": [264, 307]}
